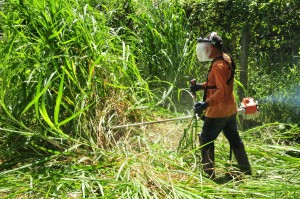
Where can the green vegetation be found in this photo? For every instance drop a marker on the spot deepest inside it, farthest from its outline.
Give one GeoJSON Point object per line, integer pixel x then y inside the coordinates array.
{"type": "Point", "coordinates": [70, 70]}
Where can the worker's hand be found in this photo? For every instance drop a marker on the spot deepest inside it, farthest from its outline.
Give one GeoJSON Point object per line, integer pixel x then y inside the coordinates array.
{"type": "Point", "coordinates": [195, 86]}
{"type": "Point", "coordinates": [199, 107]}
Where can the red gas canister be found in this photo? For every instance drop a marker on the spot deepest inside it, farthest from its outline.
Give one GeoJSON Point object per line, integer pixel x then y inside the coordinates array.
{"type": "Point", "coordinates": [249, 108]}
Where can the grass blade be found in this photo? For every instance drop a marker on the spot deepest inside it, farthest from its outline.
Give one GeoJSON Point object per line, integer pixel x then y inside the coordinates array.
{"type": "Point", "coordinates": [59, 97]}
{"type": "Point", "coordinates": [39, 94]}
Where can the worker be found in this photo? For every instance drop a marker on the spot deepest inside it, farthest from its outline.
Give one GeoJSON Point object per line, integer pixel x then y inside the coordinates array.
{"type": "Point", "coordinates": [218, 104]}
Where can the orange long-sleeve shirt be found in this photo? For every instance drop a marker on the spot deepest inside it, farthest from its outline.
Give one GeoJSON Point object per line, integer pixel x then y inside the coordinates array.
{"type": "Point", "coordinates": [221, 101]}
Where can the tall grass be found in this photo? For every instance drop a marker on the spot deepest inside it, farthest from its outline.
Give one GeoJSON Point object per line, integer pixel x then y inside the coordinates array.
{"type": "Point", "coordinates": [68, 73]}
{"type": "Point", "coordinates": [65, 75]}
{"type": "Point", "coordinates": [165, 48]}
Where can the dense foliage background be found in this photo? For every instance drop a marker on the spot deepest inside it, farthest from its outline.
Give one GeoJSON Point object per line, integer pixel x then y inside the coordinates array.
{"type": "Point", "coordinates": [70, 70]}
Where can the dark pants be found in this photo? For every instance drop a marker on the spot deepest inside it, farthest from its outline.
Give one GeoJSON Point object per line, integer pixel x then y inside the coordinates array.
{"type": "Point", "coordinates": [211, 129]}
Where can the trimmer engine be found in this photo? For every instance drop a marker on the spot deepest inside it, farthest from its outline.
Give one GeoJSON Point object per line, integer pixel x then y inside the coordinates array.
{"type": "Point", "coordinates": [249, 108]}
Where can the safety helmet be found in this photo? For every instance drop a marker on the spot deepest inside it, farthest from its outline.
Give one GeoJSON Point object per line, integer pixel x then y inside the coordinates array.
{"type": "Point", "coordinates": [212, 38]}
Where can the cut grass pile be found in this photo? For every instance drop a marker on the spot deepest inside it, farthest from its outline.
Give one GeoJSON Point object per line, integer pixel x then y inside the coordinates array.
{"type": "Point", "coordinates": [146, 164]}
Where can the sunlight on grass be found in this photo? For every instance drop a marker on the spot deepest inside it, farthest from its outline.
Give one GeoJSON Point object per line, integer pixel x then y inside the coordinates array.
{"type": "Point", "coordinates": [144, 166]}
{"type": "Point", "coordinates": [70, 71]}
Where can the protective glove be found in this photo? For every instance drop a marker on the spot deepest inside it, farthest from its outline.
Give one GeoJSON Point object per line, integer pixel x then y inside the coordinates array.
{"type": "Point", "coordinates": [195, 86]}
{"type": "Point", "coordinates": [199, 107]}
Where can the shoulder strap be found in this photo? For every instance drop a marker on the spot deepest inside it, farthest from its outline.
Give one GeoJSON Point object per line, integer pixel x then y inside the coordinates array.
{"type": "Point", "coordinates": [210, 87]}
{"type": "Point", "coordinates": [229, 81]}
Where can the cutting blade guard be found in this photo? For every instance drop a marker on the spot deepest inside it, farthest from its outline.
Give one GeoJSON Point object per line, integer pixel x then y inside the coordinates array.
{"type": "Point", "coordinates": [249, 108]}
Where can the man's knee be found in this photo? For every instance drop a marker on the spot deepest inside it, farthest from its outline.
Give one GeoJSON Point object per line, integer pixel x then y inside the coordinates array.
{"type": "Point", "coordinates": [237, 145]}
{"type": "Point", "coordinates": [235, 140]}
{"type": "Point", "coordinates": [206, 142]}
{"type": "Point", "coordinates": [203, 139]}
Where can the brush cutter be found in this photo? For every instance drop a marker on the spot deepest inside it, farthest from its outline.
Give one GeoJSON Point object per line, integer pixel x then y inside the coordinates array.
{"type": "Point", "coordinates": [248, 110]}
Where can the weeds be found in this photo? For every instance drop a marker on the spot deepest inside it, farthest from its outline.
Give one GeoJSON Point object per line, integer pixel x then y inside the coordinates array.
{"type": "Point", "coordinates": [140, 167]}
{"type": "Point", "coordinates": [70, 71]}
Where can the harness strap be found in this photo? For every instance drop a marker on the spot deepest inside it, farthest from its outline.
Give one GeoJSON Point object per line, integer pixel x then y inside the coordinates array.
{"type": "Point", "coordinates": [232, 69]}
{"type": "Point", "coordinates": [228, 81]}
{"type": "Point", "coordinates": [210, 87]}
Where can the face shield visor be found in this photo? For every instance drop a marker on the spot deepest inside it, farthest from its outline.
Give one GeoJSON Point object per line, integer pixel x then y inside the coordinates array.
{"type": "Point", "coordinates": [203, 51]}
{"type": "Point", "coordinates": [204, 46]}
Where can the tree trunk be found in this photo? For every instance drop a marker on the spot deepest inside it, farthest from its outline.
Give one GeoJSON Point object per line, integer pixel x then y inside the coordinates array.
{"type": "Point", "coordinates": [244, 61]}
{"type": "Point", "coordinates": [244, 68]}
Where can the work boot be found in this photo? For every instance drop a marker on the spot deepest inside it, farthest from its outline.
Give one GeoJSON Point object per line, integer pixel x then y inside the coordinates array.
{"type": "Point", "coordinates": [208, 160]}
{"type": "Point", "coordinates": [242, 160]}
